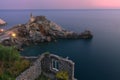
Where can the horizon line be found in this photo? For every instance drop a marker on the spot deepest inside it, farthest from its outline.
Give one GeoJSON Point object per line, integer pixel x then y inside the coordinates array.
{"type": "Point", "coordinates": [59, 9]}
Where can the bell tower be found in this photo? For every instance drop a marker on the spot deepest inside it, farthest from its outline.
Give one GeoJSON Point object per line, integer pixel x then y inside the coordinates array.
{"type": "Point", "coordinates": [32, 18]}
{"type": "Point", "coordinates": [31, 15]}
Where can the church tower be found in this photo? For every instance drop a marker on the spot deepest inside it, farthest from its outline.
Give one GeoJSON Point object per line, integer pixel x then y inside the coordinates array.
{"type": "Point", "coordinates": [31, 15]}
{"type": "Point", "coordinates": [32, 18]}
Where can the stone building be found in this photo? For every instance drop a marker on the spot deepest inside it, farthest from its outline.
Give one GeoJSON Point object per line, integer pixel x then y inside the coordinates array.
{"type": "Point", "coordinates": [32, 18]}
{"type": "Point", "coordinates": [49, 65]}
{"type": "Point", "coordinates": [36, 18]}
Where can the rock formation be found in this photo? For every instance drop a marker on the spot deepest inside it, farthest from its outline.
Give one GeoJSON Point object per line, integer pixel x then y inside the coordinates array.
{"type": "Point", "coordinates": [2, 22]}
{"type": "Point", "coordinates": [39, 29]}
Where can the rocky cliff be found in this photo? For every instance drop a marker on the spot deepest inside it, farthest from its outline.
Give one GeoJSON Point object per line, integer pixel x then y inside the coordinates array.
{"type": "Point", "coordinates": [39, 29]}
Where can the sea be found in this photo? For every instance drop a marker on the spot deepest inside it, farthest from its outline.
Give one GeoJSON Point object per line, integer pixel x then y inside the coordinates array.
{"type": "Point", "coordinates": [95, 59]}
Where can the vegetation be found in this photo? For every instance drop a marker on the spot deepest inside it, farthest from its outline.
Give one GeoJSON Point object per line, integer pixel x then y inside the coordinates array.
{"type": "Point", "coordinates": [11, 64]}
{"type": "Point", "coordinates": [62, 75]}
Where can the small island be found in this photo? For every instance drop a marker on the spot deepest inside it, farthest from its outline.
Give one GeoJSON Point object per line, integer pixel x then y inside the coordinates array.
{"type": "Point", "coordinates": [37, 30]}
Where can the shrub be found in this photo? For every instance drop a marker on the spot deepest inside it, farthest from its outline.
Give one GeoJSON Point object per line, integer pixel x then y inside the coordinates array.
{"type": "Point", "coordinates": [11, 65]}
{"type": "Point", "coordinates": [62, 75]}
{"type": "Point", "coordinates": [8, 54]}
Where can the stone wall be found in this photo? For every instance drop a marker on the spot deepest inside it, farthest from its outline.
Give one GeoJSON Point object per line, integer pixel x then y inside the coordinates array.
{"type": "Point", "coordinates": [33, 72]}
{"type": "Point", "coordinates": [63, 65]}
{"type": "Point", "coordinates": [44, 64]}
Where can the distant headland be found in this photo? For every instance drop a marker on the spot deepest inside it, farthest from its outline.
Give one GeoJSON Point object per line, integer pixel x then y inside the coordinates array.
{"type": "Point", "coordinates": [37, 30]}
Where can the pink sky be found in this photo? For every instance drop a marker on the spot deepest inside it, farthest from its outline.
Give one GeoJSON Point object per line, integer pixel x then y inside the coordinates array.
{"type": "Point", "coordinates": [59, 4]}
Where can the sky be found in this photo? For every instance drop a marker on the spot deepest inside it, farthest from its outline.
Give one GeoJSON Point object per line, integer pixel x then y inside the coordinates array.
{"type": "Point", "coordinates": [59, 4]}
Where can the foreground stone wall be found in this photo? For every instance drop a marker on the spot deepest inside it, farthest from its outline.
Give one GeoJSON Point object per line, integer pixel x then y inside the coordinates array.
{"type": "Point", "coordinates": [33, 72]}
{"type": "Point", "coordinates": [44, 64]}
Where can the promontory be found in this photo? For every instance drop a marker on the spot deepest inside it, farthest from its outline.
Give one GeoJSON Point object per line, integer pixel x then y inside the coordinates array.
{"type": "Point", "coordinates": [38, 29]}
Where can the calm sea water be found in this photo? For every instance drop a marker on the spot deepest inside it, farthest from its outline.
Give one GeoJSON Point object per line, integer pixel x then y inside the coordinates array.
{"type": "Point", "coordinates": [96, 59]}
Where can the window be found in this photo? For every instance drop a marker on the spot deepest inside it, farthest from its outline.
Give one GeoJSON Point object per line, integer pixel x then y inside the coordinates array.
{"type": "Point", "coordinates": [55, 65]}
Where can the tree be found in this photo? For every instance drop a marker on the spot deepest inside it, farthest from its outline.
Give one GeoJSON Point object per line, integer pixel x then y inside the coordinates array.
{"type": "Point", "coordinates": [8, 54]}
{"type": "Point", "coordinates": [11, 63]}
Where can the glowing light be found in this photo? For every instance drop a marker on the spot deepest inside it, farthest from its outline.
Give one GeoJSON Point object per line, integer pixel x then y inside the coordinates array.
{"type": "Point", "coordinates": [13, 35]}
{"type": "Point", "coordinates": [1, 30]}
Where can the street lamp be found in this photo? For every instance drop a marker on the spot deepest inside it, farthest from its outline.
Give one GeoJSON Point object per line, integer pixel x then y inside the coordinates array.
{"type": "Point", "coordinates": [13, 35]}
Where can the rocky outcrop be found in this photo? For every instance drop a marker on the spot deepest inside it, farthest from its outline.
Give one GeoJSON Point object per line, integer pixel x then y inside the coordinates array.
{"type": "Point", "coordinates": [39, 29]}
{"type": "Point", "coordinates": [2, 22]}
